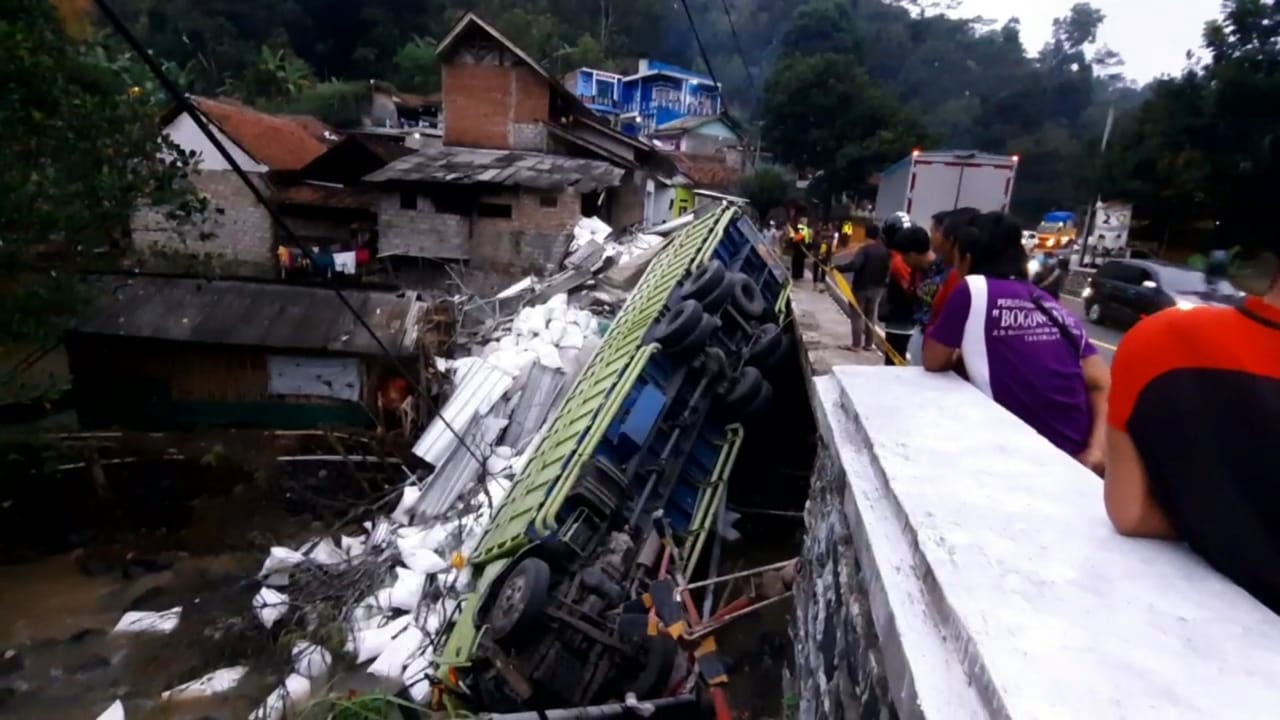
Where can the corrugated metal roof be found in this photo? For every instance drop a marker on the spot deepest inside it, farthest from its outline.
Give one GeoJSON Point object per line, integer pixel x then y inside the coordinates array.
{"type": "Point", "coordinates": [500, 167]}
{"type": "Point", "coordinates": [231, 312]}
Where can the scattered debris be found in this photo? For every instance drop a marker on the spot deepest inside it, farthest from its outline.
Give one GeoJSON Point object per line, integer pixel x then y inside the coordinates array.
{"type": "Point", "coordinates": [270, 605]}
{"type": "Point", "coordinates": [148, 623]}
{"type": "Point", "coordinates": [113, 712]}
{"type": "Point", "coordinates": [294, 694]}
{"type": "Point", "coordinates": [215, 683]}
{"type": "Point", "coordinates": [388, 594]}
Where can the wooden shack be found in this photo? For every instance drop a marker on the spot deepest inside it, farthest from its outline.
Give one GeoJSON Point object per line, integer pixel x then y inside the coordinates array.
{"type": "Point", "coordinates": [175, 353]}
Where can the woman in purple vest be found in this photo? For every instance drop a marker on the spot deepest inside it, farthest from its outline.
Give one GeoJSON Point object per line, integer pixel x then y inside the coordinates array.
{"type": "Point", "coordinates": [1019, 346]}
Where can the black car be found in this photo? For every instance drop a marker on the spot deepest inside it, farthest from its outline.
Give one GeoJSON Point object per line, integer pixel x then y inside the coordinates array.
{"type": "Point", "coordinates": [1123, 292]}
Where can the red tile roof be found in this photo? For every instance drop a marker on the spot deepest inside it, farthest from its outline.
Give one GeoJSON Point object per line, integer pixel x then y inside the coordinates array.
{"type": "Point", "coordinates": [281, 142]}
{"type": "Point", "coordinates": [708, 171]}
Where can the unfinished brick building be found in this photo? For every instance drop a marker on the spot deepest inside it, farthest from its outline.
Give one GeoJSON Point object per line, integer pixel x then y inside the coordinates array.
{"type": "Point", "coordinates": [522, 158]}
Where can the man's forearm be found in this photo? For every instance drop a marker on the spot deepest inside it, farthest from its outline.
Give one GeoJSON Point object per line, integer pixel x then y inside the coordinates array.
{"type": "Point", "coordinates": [1098, 403]}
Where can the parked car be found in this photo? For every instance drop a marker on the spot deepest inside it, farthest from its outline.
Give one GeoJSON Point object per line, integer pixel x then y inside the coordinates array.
{"type": "Point", "coordinates": [1122, 292]}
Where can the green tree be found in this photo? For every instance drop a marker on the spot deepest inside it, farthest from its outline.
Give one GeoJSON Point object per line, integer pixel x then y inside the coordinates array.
{"type": "Point", "coordinates": [416, 67]}
{"type": "Point", "coordinates": [824, 113]}
{"type": "Point", "coordinates": [822, 26]}
{"type": "Point", "coordinates": [80, 154]}
{"type": "Point", "coordinates": [766, 189]}
{"type": "Point", "coordinates": [1204, 149]}
{"type": "Point", "coordinates": [278, 74]}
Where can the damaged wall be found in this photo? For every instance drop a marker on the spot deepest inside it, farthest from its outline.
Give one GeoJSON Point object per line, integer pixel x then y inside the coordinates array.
{"type": "Point", "coordinates": [160, 385]}
{"type": "Point", "coordinates": [240, 226]}
{"type": "Point", "coordinates": [498, 250]}
{"type": "Point", "coordinates": [421, 231]}
{"type": "Point", "coordinates": [627, 206]}
{"type": "Point", "coordinates": [839, 668]}
{"type": "Point", "coordinates": [533, 240]}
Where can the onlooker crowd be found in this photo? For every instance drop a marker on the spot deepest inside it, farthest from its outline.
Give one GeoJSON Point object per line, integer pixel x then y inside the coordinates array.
{"type": "Point", "coordinates": [1176, 424]}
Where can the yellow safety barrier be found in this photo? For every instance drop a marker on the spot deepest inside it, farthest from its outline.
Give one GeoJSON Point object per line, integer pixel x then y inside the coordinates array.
{"type": "Point", "coordinates": [847, 293]}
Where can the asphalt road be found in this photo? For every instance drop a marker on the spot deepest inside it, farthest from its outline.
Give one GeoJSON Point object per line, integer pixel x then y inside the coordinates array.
{"type": "Point", "coordinates": [1106, 339]}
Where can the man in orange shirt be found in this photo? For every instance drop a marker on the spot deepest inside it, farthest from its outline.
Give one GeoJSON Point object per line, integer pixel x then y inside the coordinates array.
{"type": "Point", "coordinates": [1194, 422]}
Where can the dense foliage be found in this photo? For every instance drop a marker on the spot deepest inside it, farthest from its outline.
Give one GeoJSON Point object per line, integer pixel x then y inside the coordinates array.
{"type": "Point", "coordinates": [79, 154]}
{"type": "Point", "coordinates": [1203, 153]}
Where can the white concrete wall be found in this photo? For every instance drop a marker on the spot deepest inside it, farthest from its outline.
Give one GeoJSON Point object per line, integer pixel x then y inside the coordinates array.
{"type": "Point", "coordinates": [994, 583]}
{"type": "Point", "coordinates": [186, 135]}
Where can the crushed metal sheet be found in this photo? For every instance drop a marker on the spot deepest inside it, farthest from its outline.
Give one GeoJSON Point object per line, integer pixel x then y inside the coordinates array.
{"type": "Point", "coordinates": [479, 386]}
{"type": "Point", "coordinates": [500, 167]}
{"type": "Point", "coordinates": [460, 470]}
{"type": "Point", "coordinates": [536, 401]}
{"type": "Point", "coordinates": [249, 314]}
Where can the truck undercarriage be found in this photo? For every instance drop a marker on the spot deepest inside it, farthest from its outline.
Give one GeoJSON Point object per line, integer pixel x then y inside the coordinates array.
{"type": "Point", "coordinates": [594, 605]}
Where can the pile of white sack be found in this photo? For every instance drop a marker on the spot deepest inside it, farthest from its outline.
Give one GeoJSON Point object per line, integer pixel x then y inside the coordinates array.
{"type": "Point", "coordinates": [395, 630]}
{"type": "Point", "coordinates": [622, 247]}
{"type": "Point", "coordinates": [543, 334]}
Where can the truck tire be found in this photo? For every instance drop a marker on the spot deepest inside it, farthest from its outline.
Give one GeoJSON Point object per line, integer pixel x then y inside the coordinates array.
{"type": "Point", "coordinates": [705, 282]}
{"type": "Point", "coordinates": [660, 662]}
{"type": "Point", "coordinates": [696, 341]}
{"type": "Point", "coordinates": [525, 592]}
{"type": "Point", "coordinates": [767, 347]}
{"type": "Point", "coordinates": [743, 395]}
{"type": "Point", "coordinates": [679, 324]}
{"type": "Point", "coordinates": [718, 298]}
{"type": "Point", "coordinates": [761, 402]}
{"type": "Point", "coordinates": [746, 298]}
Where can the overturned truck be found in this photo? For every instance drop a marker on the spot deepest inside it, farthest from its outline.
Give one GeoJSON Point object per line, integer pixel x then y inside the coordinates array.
{"type": "Point", "coordinates": [578, 596]}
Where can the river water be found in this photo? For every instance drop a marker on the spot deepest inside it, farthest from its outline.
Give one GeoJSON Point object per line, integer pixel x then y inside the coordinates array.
{"type": "Point", "coordinates": [76, 554]}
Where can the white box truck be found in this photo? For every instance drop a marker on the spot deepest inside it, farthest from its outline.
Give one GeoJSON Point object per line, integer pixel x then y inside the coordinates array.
{"type": "Point", "coordinates": [925, 183]}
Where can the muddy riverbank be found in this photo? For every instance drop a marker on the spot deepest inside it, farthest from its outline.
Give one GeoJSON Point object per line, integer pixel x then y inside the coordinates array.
{"type": "Point", "coordinates": [81, 548]}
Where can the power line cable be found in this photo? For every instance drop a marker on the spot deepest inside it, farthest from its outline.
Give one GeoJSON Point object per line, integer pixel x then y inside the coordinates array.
{"type": "Point", "coordinates": [706, 60]}
{"type": "Point", "coordinates": [184, 102]}
{"type": "Point", "coordinates": [751, 79]}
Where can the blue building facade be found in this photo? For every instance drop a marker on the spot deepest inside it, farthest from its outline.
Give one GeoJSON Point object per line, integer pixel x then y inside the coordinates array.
{"type": "Point", "coordinates": [657, 94]}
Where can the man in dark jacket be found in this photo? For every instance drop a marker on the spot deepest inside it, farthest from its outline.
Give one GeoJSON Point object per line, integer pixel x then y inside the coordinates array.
{"type": "Point", "coordinates": [870, 269]}
{"type": "Point", "coordinates": [1053, 274]}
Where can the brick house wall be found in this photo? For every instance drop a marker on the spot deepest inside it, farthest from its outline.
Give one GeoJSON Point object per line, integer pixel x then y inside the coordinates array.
{"type": "Point", "coordinates": [498, 250]}
{"type": "Point", "coordinates": [423, 232]}
{"type": "Point", "coordinates": [239, 226]}
{"type": "Point", "coordinates": [495, 104]}
{"type": "Point", "coordinates": [533, 240]}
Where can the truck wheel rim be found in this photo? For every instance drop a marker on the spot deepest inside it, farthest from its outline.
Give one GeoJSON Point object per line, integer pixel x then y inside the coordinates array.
{"type": "Point", "coordinates": [512, 597]}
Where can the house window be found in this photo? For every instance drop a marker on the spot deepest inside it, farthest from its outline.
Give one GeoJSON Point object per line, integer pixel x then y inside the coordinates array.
{"type": "Point", "coordinates": [408, 200]}
{"type": "Point", "coordinates": [493, 210]}
{"type": "Point", "coordinates": [548, 201]}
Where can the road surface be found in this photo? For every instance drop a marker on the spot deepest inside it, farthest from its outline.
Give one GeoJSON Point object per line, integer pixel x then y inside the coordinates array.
{"type": "Point", "coordinates": [1106, 339]}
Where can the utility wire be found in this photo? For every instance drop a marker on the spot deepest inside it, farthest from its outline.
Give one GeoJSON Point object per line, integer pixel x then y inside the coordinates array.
{"type": "Point", "coordinates": [706, 60]}
{"type": "Point", "coordinates": [184, 102]}
{"type": "Point", "coordinates": [751, 79]}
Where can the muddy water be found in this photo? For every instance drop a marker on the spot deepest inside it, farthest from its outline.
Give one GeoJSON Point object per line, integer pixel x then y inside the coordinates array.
{"type": "Point", "coordinates": [56, 620]}
{"type": "Point", "coordinates": [771, 474]}
{"type": "Point", "coordinates": [196, 544]}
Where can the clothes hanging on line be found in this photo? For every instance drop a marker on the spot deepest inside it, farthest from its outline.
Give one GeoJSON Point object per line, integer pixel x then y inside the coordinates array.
{"type": "Point", "coordinates": [345, 262]}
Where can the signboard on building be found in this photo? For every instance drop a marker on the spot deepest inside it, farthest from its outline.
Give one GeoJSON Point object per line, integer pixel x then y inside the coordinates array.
{"type": "Point", "coordinates": [1111, 226]}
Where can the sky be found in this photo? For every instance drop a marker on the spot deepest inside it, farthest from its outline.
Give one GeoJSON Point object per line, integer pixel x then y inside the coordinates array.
{"type": "Point", "coordinates": [1153, 36]}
